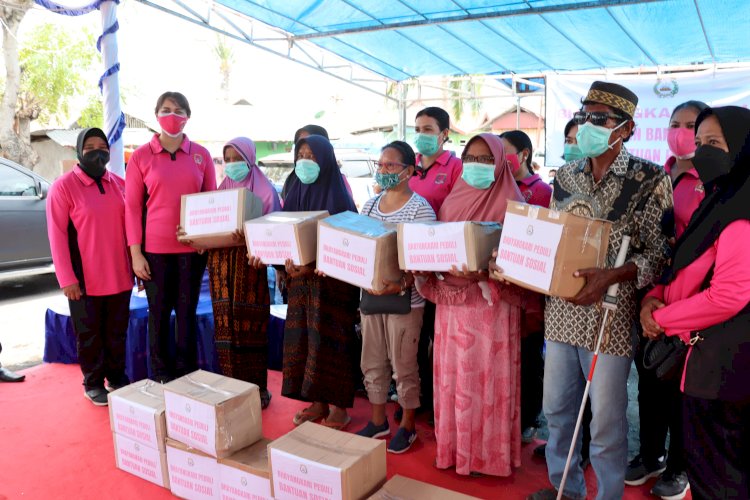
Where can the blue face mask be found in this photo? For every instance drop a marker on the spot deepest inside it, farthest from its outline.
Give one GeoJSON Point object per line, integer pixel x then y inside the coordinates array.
{"type": "Point", "coordinates": [593, 140]}
{"type": "Point", "coordinates": [478, 175]}
{"type": "Point", "coordinates": [427, 144]}
{"type": "Point", "coordinates": [236, 170]}
{"type": "Point", "coordinates": [572, 152]}
{"type": "Point", "coordinates": [307, 171]}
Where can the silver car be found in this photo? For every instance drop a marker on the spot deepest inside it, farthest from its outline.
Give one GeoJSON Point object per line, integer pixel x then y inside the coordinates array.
{"type": "Point", "coordinates": [24, 245]}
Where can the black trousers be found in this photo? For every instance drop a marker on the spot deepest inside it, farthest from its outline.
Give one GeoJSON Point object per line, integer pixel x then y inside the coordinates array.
{"type": "Point", "coordinates": [174, 286]}
{"type": "Point", "coordinates": [660, 410]}
{"type": "Point", "coordinates": [101, 325]}
{"type": "Point", "coordinates": [717, 445]}
{"type": "Point", "coordinates": [532, 379]}
{"type": "Point", "coordinates": [424, 360]}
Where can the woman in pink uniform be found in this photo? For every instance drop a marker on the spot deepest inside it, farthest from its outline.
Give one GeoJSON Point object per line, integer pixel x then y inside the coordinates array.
{"type": "Point", "coordinates": [158, 174]}
{"type": "Point", "coordinates": [704, 300]}
{"type": "Point", "coordinates": [86, 227]}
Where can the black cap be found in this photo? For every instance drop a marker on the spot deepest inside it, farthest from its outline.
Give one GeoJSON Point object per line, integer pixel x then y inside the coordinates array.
{"type": "Point", "coordinates": [612, 95]}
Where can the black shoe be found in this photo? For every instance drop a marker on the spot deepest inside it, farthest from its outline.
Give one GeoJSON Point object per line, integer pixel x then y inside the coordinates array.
{"type": "Point", "coordinates": [375, 431]}
{"type": "Point", "coordinates": [402, 441]}
{"type": "Point", "coordinates": [640, 471]}
{"type": "Point", "coordinates": [9, 376]}
{"type": "Point", "coordinates": [97, 395]}
{"type": "Point", "coordinates": [541, 451]}
{"type": "Point", "coordinates": [117, 384]}
{"type": "Point", "coordinates": [671, 486]}
{"type": "Point", "coordinates": [547, 494]}
{"type": "Point", "coordinates": [265, 399]}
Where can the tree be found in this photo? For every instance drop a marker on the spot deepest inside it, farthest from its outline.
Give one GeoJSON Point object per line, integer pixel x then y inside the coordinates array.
{"type": "Point", "coordinates": [12, 13]}
{"type": "Point", "coordinates": [53, 64]}
{"type": "Point", "coordinates": [226, 60]}
{"type": "Point", "coordinates": [462, 88]}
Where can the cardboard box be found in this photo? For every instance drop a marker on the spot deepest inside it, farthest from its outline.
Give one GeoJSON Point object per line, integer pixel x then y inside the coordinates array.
{"type": "Point", "coordinates": [192, 474]}
{"type": "Point", "coordinates": [246, 474]}
{"type": "Point", "coordinates": [541, 249]}
{"type": "Point", "coordinates": [436, 246]}
{"type": "Point", "coordinates": [314, 460]}
{"type": "Point", "coordinates": [137, 412]}
{"type": "Point", "coordinates": [140, 460]}
{"type": "Point", "coordinates": [358, 250]}
{"type": "Point", "coordinates": [279, 236]}
{"type": "Point", "coordinates": [403, 488]}
{"type": "Point", "coordinates": [210, 218]}
{"type": "Point", "coordinates": [214, 414]}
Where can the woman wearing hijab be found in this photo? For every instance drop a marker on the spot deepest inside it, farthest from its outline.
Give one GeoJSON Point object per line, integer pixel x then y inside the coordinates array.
{"type": "Point", "coordinates": [320, 356]}
{"type": "Point", "coordinates": [86, 227]}
{"type": "Point", "coordinates": [159, 173]}
{"type": "Point", "coordinates": [704, 301]}
{"type": "Point", "coordinates": [477, 332]}
{"type": "Point", "coordinates": [239, 290]}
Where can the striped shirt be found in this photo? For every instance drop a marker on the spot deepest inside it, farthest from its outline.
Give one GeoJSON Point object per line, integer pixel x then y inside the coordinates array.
{"type": "Point", "coordinates": [417, 209]}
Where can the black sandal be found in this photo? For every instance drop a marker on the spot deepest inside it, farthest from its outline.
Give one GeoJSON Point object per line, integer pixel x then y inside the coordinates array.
{"type": "Point", "coordinates": [265, 399]}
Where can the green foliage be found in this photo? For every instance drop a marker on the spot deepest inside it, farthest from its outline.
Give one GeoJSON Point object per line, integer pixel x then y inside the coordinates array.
{"type": "Point", "coordinates": [460, 103]}
{"type": "Point", "coordinates": [55, 63]}
{"type": "Point", "coordinates": [93, 114]}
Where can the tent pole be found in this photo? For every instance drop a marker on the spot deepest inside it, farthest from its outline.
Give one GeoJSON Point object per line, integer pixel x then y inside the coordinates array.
{"type": "Point", "coordinates": [402, 111]}
{"type": "Point", "coordinates": [113, 117]}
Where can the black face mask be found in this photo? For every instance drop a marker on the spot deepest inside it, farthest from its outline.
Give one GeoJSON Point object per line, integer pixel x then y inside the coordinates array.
{"type": "Point", "coordinates": [94, 163]}
{"type": "Point", "coordinates": [711, 163]}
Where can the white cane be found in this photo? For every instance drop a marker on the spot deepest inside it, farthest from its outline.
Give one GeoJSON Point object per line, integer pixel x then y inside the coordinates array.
{"type": "Point", "coordinates": [610, 306]}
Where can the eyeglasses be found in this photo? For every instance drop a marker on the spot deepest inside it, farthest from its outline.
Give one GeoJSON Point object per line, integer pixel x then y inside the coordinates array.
{"type": "Point", "coordinates": [389, 166]}
{"type": "Point", "coordinates": [598, 118]}
{"type": "Point", "coordinates": [488, 159]}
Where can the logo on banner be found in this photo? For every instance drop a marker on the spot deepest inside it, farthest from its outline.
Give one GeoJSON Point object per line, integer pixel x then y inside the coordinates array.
{"type": "Point", "coordinates": [187, 407]}
{"type": "Point", "coordinates": [190, 462]}
{"type": "Point", "coordinates": [530, 230]}
{"type": "Point", "coordinates": [303, 469]}
{"type": "Point", "coordinates": [269, 233]}
{"type": "Point", "coordinates": [668, 88]}
{"type": "Point", "coordinates": [345, 242]}
{"type": "Point", "coordinates": [132, 410]}
{"type": "Point", "coordinates": [137, 448]}
{"type": "Point", "coordinates": [431, 232]}
{"type": "Point", "coordinates": [243, 480]}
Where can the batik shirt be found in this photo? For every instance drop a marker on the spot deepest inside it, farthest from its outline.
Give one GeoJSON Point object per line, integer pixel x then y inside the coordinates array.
{"type": "Point", "coordinates": [633, 194]}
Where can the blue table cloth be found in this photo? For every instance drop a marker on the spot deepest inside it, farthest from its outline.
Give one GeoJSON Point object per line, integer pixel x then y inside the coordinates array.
{"type": "Point", "coordinates": [60, 340]}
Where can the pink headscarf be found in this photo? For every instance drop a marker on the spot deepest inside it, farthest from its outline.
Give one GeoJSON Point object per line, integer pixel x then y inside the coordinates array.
{"type": "Point", "coordinates": [466, 203]}
{"type": "Point", "coordinates": [256, 181]}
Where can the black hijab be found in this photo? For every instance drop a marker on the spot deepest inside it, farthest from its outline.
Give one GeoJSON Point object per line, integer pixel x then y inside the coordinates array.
{"type": "Point", "coordinates": [328, 192]}
{"type": "Point", "coordinates": [93, 163]}
{"type": "Point", "coordinates": [727, 198]}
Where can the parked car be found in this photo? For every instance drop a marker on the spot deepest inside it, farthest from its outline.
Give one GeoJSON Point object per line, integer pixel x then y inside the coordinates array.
{"type": "Point", "coordinates": [23, 222]}
{"type": "Point", "coordinates": [356, 164]}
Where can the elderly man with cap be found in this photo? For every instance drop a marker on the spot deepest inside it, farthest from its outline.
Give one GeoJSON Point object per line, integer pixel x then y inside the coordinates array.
{"type": "Point", "coordinates": [86, 226]}
{"type": "Point", "coordinates": [632, 193]}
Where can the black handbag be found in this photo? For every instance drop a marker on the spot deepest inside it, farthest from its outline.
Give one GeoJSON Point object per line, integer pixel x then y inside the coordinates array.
{"type": "Point", "coordinates": [665, 356]}
{"type": "Point", "coordinates": [385, 304]}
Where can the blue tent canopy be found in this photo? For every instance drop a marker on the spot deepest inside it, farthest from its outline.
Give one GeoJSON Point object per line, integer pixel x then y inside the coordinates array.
{"type": "Point", "coordinates": [400, 39]}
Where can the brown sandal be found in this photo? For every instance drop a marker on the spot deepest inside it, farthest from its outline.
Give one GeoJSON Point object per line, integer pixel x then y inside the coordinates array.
{"type": "Point", "coordinates": [307, 415]}
{"type": "Point", "coordinates": [339, 426]}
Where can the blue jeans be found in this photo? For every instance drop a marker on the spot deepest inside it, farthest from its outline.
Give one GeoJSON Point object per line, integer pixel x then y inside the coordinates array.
{"type": "Point", "coordinates": [565, 370]}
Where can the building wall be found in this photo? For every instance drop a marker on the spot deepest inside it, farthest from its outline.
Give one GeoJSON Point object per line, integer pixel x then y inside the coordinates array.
{"type": "Point", "coordinates": [51, 156]}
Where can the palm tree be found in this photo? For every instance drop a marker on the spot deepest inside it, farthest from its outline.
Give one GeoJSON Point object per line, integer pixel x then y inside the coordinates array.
{"type": "Point", "coordinates": [226, 60]}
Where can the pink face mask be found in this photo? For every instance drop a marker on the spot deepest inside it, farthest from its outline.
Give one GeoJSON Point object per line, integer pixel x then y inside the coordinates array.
{"type": "Point", "coordinates": [172, 124]}
{"type": "Point", "coordinates": [515, 164]}
{"type": "Point", "coordinates": [681, 142]}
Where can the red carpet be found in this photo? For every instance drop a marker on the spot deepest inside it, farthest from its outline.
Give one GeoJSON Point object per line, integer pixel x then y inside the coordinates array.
{"type": "Point", "coordinates": [55, 444]}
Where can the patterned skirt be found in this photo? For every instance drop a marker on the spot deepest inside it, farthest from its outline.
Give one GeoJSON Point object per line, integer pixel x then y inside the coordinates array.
{"type": "Point", "coordinates": [321, 350]}
{"type": "Point", "coordinates": [241, 301]}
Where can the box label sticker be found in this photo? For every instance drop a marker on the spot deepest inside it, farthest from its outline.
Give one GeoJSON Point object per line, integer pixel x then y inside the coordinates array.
{"type": "Point", "coordinates": [272, 243]}
{"type": "Point", "coordinates": [346, 256]}
{"type": "Point", "coordinates": [214, 212]}
{"type": "Point", "coordinates": [192, 476]}
{"type": "Point", "coordinates": [135, 421]}
{"type": "Point", "coordinates": [434, 247]}
{"type": "Point", "coordinates": [299, 478]}
{"type": "Point", "coordinates": [139, 459]}
{"type": "Point", "coordinates": [528, 248]}
{"type": "Point", "coordinates": [191, 422]}
{"type": "Point", "coordinates": [237, 484]}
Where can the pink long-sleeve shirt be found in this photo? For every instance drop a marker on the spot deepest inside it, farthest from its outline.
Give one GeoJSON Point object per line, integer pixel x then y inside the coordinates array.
{"type": "Point", "coordinates": [165, 177]}
{"type": "Point", "coordinates": [99, 220]}
{"type": "Point", "coordinates": [688, 308]}
{"type": "Point", "coordinates": [687, 194]}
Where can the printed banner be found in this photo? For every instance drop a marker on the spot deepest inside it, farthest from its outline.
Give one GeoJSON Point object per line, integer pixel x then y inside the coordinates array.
{"type": "Point", "coordinates": [657, 97]}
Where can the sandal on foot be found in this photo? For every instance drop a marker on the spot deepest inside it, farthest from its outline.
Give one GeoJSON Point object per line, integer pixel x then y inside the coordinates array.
{"type": "Point", "coordinates": [307, 415]}
{"type": "Point", "coordinates": [265, 399]}
{"type": "Point", "coordinates": [339, 426]}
